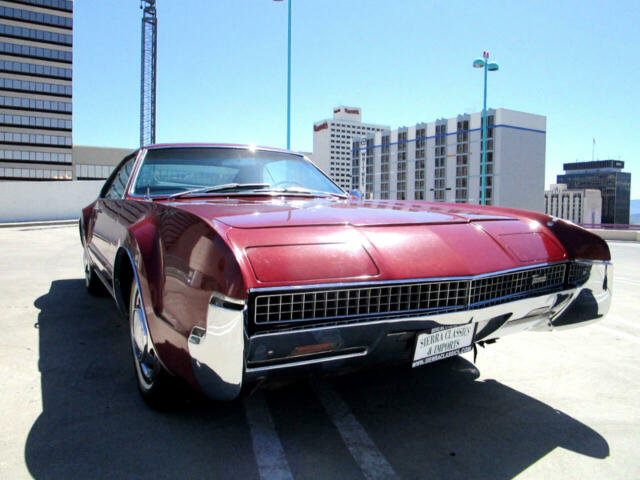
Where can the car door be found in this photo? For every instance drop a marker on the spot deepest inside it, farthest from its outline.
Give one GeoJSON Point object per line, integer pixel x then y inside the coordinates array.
{"type": "Point", "coordinates": [106, 228]}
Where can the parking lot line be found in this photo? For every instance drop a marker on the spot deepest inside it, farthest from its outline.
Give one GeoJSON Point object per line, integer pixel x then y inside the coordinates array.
{"type": "Point", "coordinates": [370, 460]}
{"type": "Point", "coordinates": [625, 280]}
{"type": "Point", "coordinates": [267, 448]}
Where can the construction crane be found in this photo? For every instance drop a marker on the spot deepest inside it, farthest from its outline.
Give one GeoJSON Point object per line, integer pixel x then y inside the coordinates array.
{"type": "Point", "coordinates": [148, 73]}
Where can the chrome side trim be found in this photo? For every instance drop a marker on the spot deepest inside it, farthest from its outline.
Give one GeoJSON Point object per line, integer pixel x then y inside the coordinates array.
{"type": "Point", "coordinates": [302, 363]}
{"type": "Point", "coordinates": [593, 298]}
{"type": "Point", "coordinates": [217, 352]}
{"type": "Point", "coordinates": [222, 300]}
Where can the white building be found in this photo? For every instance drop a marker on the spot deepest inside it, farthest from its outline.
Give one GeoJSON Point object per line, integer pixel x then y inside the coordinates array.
{"type": "Point", "coordinates": [441, 160]}
{"type": "Point", "coordinates": [332, 142]}
{"type": "Point", "coordinates": [577, 206]}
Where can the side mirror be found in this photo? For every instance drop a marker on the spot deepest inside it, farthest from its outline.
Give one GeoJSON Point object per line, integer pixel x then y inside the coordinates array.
{"type": "Point", "coordinates": [355, 193]}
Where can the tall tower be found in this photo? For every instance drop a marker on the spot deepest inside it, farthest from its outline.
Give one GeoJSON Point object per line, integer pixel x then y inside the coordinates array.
{"type": "Point", "coordinates": [148, 73]}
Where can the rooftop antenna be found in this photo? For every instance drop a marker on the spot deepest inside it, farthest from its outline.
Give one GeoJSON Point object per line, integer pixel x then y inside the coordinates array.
{"type": "Point", "coordinates": [148, 73]}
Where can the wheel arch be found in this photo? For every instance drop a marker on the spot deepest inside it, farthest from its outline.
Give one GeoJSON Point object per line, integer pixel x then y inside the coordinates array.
{"type": "Point", "coordinates": [124, 272]}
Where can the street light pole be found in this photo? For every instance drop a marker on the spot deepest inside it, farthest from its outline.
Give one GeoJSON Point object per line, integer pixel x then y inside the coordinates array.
{"type": "Point", "coordinates": [486, 66]}
{"type": "Point", "coordinates": [289, 82]}
{"type": "Point", "coordinates": [483, 200]}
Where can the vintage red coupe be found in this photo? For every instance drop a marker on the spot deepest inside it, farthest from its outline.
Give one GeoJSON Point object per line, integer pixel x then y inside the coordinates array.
{"type": "Point", "coordinates": [236, 265]}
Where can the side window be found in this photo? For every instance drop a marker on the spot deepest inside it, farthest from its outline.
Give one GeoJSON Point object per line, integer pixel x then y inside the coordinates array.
{"type": "Point", "coordinates": [115, 190]}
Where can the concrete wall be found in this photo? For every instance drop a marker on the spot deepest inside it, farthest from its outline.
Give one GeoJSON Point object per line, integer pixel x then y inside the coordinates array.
{"type": "Point", "coordinates": [628, 235]}
{"type": "Point", "coordinates": [34, 201]}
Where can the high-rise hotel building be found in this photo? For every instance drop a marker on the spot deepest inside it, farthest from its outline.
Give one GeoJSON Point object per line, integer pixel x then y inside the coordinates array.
{"type": "Point", "coordinates": [332, 140]}
{"type": "Point", "coordinates": [36, 38]}
{"type": "Point", "coordinates": [441, 160]}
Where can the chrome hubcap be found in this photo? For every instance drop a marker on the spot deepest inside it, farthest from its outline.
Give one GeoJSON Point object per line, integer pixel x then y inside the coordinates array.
{"type": "Point", "coordinates": [142, 352]}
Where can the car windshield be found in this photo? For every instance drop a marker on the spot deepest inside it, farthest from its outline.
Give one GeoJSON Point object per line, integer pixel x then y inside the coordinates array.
{"type": "Point", "coordinates": [167, 171]}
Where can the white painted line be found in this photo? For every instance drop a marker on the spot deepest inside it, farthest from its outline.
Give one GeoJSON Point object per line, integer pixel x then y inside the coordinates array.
{"type": "Point", "coordinates": [617, 333]}
{"type": "Point", "coordinates": [267, 449]}
{"type": "Point", "coordinates": [625, 280]}
{"type": "Point", "coordinates": [370, 460]}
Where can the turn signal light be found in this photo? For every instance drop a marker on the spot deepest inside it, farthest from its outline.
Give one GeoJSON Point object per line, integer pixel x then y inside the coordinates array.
{"type": "Point", "coordinates": [315, 348]}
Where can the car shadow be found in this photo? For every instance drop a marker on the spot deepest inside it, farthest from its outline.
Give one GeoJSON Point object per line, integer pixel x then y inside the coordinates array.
{"type": "Point", "coordinates": [437, 421]}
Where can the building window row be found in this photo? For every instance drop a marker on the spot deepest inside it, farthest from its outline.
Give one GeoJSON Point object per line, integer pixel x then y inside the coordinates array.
{"type": "Point", "coordinates": [401, 181]}
{"type": "Point", "coordinates": [440, 172]}
{"type": "Point", "coordinates": [35, 34]}
{"type": "Point", "coordinates": [36, 17]}
{"type": "Point", "coordinates": [30, 156]}
{"type": "Point", "coordinates": [355, 166]}
{"type": "Point", "coordinates": [32, 69]}
{"type": "Point", "coordinates": [43, 173]}
{"type": "Point", "coordinates": [421, 144]}
{"type": "Point", "coordinates": [65, 5]}
{"type": "Point", "coordinates": [35, 104]}
{"type": "Point", "coordinates": [36, 139]}
{"type": "Point", "coordinates": [489, 167]}
{"type": "Point", "coordinates": [93, 171]}
{"type": "Point", "coordinates": [35, 122]}
{"type": "Point", "coordinates": [462, 162]}
{"type": "Point", "coordinates": [35, 52]}
{"type": "Point", "coordinates": [36, 87]}
{"type": "Point", "coordinates": [369, 168]}
{"type": "Point", "coordinates": [384, 168]}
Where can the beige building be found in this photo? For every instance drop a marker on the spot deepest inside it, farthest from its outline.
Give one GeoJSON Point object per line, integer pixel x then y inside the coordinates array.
{"type": "Point", "coordinates": [332, 139]}
{"type": "Point", "coordinates": [441, 160]}
{"type": "Point", "coordinates": [576, 205]}
{"type": "Point", "coordinates": [36, 38]}
{"type": "Point", "coordinates": [96, 163]}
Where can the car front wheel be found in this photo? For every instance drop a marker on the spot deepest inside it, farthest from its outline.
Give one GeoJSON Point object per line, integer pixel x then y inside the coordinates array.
{"type": "Point", "coordinates": [154, 382]}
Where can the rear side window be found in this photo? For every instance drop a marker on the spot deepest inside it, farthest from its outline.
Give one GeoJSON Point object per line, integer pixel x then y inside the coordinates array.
{"type": "Point", "coordinates": [115, 191]}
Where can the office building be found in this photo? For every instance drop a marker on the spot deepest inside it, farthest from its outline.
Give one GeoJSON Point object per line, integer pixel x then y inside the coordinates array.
{"type": "Point", "coordinates": [441, 160]}
{"type": "Point", "coordinates": [36, 38]}
{"type": "Point", "coordinates": [578, 206]}
{"type": "Point", "coordinates": [96, 163]}
{"type": "Point", "coordinates": [608, 177]}
{"type": "Point", "coordinates": [332, 142]}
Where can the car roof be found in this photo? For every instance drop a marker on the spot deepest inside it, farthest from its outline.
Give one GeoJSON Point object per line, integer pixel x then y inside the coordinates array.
{"type": "Point", "coordinates": [217, 145]}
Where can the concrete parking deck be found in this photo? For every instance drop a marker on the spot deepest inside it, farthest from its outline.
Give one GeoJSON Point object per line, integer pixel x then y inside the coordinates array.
{"type": "Point", "coordinates": [535, 405]}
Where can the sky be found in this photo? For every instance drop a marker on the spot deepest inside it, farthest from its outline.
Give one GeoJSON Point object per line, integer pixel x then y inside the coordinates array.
{"type": "Point", "coordinates": [222, 69]}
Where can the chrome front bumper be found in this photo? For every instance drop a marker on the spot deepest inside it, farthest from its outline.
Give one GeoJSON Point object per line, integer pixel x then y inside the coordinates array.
{"type": "Point", "coordinates": [223, 356]}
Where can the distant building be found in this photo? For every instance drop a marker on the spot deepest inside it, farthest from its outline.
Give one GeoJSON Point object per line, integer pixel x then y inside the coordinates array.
{"type": "Point", "coordinates": [332, 142]}
{"type": "Point", "coordinates": [96, 163]}
{"type": "Point", "coordinates": [441, 160]}
{"type": "Point", "coordinates": [36, 38]}
{"type": "Point", "coordinates": [606, 176]}
{"type": "Point", "coordinates": [577, 206]}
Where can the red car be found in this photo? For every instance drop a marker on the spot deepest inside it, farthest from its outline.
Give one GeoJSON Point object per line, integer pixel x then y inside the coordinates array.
{"type": "Point", "coordinates": [235, 265]}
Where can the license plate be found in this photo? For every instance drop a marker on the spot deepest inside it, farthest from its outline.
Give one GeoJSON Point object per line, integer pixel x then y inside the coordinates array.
{"type": "Point", "coordinates": [442, 343]}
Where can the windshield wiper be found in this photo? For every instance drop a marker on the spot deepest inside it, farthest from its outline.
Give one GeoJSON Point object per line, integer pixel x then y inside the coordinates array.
{"type": "Point", "coordinates": [304, 191]}
{"type": "Point", "coordinates": [221, 188]}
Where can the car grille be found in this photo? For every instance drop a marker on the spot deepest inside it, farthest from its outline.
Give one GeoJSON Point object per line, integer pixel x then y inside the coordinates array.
{"type": "Point", "coordinates": [578, 273]}
{"type": "Point", "coordinates": [348, 303]}
{"type": "Point", "coordinates": [496, 288]}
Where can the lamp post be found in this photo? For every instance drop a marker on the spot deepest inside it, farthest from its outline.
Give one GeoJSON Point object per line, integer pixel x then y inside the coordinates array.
{"type": "Point", "coordinates": [487, 67]}
{"type": "Point", "coordinates": [288, 76]}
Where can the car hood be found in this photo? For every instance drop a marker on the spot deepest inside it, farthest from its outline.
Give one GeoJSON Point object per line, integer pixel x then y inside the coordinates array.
{"type": "Point", "coordinates": [311, 241]}
{"type": "Point", "coordinates": [278, 212]}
